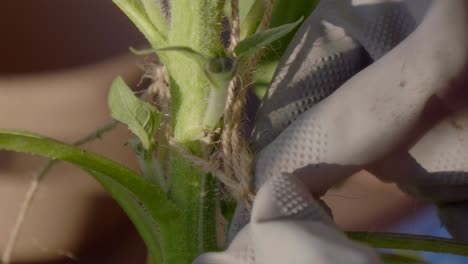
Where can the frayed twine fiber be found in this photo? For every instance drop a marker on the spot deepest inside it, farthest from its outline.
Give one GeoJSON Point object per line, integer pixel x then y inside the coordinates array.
{"type": "Point", "coordinates": [237, 157]}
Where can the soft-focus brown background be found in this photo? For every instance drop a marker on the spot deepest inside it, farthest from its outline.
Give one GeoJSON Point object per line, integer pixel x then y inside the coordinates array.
{"type": "Point", "coordinates": [50, 83]}
{"type": "Point", "coordinates": [40, 35]}
{"type": "Point", "coordinates": [57, 60]}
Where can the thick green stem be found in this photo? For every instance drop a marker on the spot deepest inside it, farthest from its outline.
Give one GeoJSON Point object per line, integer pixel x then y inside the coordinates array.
{"type": "Point", "coordinates": [197, 25]}
{"type": "Point", "coordinates": [410, 242]}
{"type": "Point", "coordinates": [194, 193]}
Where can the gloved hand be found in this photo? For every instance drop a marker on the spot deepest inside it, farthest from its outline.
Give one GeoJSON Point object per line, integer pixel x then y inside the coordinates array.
{"type": "Point", "coordinates": [401, 67]}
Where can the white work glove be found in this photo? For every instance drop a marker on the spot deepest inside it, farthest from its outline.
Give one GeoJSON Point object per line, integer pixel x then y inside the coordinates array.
{"type": "Point", "coordinates": [311, 135]}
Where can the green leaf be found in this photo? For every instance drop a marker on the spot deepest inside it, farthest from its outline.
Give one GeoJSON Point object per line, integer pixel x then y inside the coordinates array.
{"type": "Point", "coordinates": [401, 257]}
{"type": "Point", "coordinates": [244, 9]}
{"type": "Point", "coordinates": [255, 42]}
{"type": "Point", "coordinates": [145, 203]}
{"type": "Point", "coordinates": [141, 117]}
{"type": "Point", "coordinates": [410, 242]}
{"type": "Point", "coordinates": [283, 13]}
{"type": "Point", "coordinates": [137, 212]}
{"type": "Point", "coordinates": [252, 19]}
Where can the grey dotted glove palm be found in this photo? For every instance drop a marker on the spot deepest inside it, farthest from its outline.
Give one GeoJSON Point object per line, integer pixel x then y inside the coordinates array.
{"type": "Point", "coordinates": [363, 84]}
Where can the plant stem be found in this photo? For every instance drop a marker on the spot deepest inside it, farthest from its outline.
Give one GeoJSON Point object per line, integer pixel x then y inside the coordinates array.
{"type": "Point", "coordinates": [411, 242]}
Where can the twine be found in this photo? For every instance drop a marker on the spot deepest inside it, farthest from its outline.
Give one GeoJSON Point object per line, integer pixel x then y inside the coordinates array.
{"type": "Point", "coordinates": [237, 158]}
{"type": "Point", "coordinates": [267, 15]}
{"type": "Point", "coordinates": [235, 25]}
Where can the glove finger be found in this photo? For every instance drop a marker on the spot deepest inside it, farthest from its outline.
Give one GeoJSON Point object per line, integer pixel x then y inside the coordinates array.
{"type": "Point", "coordinates": [440, 187]}
{"type": "Point", "coordinates": [377, 25]}
{"type": "Point", "coordinates": [287, 196]}
{"type": "Point", "coordinates": [444, 152]}
{"type": "Point", "coordinates": [319, 59]}
{"type": "Point", "coordinates": [445, 147]}
{"type": "Point", "coordinates": [326, 52]}
{"type": "Point", "coordinates": [415, 180]}
{"type": "Point", "coordinates": [240, 251]}
{"type": "Point", "coordinates": [386, 107]}
{"type": "Point", "coordinates": [289, 226]}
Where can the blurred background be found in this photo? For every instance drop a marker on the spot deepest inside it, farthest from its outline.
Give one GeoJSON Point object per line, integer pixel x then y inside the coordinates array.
{"type": "Point", "coordinates": [47, 35]}
{"type": "Point", "coordinates": [57, 61]}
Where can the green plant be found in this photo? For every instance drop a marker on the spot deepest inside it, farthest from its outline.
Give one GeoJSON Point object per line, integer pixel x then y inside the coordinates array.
{"type": "Point", "coordinates": [174, 203]}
